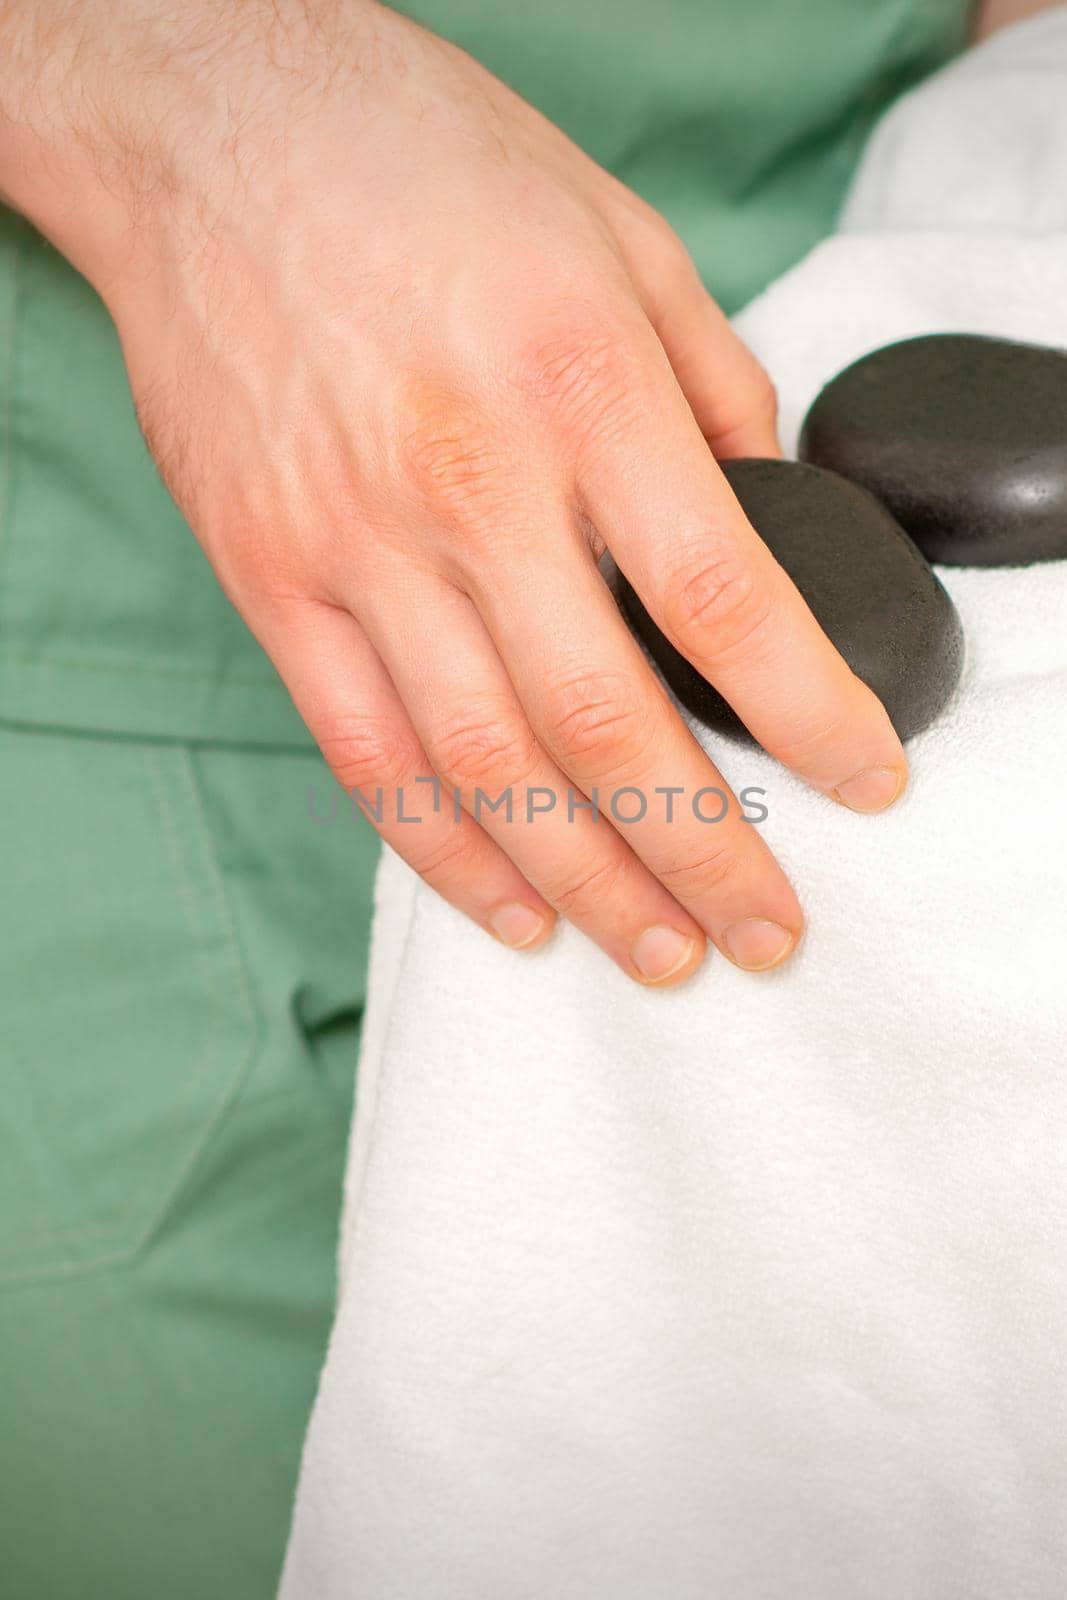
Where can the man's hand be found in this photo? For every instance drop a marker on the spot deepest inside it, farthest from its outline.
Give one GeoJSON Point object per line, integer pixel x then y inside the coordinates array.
{"type": "Point", "coordinates": [408, 361]}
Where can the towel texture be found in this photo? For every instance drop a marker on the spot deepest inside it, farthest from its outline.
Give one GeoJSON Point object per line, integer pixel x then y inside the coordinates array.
{"type": "Point", "coordinates": [758, 1288]}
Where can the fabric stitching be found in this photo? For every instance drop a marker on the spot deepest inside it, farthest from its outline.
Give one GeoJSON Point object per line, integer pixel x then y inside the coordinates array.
{"type": "Point", "coordinates": [128, 1252]}
{"type": "Point", "coordinates": [7, 402]}
{"type": "Point", "coordinates": [252, 1015]}
{"type": "Point", "coordinates": [140, 668]}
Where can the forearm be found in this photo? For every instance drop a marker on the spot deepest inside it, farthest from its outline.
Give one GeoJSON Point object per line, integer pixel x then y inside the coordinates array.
{"type": "Point", "coordinates": [110, 108]}
{"type": "Point", "coordinates": [73, 147]}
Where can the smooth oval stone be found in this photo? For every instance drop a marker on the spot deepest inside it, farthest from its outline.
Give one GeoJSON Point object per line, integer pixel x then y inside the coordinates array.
{"type": "Point", "coordinates": [869, 587]}
{"type": "Point", "coordinates": [964, 438]}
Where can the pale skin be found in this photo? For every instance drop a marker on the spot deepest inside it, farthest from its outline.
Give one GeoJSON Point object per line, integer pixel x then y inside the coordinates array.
{"type": "Point", "coordinates": [408, 360]}
{"type": "Point", "coordinates": [994, 14]}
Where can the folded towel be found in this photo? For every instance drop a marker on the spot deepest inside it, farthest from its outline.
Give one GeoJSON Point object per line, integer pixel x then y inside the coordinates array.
{"type": "Point", "coordinates": [982, 146]}
{"type": "Point", "coordinates": [757, 1288]}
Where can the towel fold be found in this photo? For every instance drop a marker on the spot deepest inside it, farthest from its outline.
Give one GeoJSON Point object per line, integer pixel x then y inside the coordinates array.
{"type": "Point", "coordinates": [757, 1288]}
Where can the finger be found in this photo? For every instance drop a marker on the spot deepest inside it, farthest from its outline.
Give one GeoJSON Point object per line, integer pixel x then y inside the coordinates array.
{"type": "Point", "coordinates": [649, 484]}
{"type": "Point", "coordinates": [345, 696]}
{"type": "Point", "coordinates": [475, 733]}
{"type": "Point", "coordinates": [604, 717]}
{"type": "Point", "coordinates": [729, 392]}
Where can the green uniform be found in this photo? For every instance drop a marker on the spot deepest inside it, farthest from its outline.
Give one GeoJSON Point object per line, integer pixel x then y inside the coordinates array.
{"type": "Point", "coordinates": [183, 944]}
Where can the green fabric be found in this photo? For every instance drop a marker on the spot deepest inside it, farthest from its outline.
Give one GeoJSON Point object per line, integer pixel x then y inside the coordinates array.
{"type": "Point", "coordinates": [181, 963]}
{"type": "Point", "coordinates": [110, 618]}
{"type": "Point", "coordinates": [739, 119]}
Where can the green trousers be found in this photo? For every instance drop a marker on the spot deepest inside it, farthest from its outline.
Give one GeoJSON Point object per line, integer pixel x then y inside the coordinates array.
{"type": "Point", "coordinates": [181, 970]}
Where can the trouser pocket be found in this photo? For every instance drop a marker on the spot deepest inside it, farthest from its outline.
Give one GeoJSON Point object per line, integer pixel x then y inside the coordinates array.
{"type": "Point", "coordinates": [127, 1017]}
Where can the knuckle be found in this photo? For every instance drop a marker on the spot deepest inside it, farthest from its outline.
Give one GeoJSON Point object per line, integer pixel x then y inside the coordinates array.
{"type": "Point", "coordinates": [718, 607]}
{"type": "Point", "coordinates": [584, 898]}
{"type": "Point", "coordinates": [484, 748]}
{"type": "Point", "coordinates": [365, 753]}
{"type": "Point", "coordinates": [598, 720]}
{"type": "Point", "coordinates": [448, 453]}
{"type": "Point", "coordinates": [255, 540]}
{"type": "Point", "coordinates": [763, 394]}
{"type": "Point", "coordinates": [252, 559]}
{"type": "Point", "coordinates": [444, 861]}
{"type": "Point", "coordinates": [665, 251]}
{"type": "Point", "coordinates": [754, 399]}
{"type": "Point", "coordinates": [766, 388]}
{"type": "Point", "coordinates": [583, 375]}
{"type": "Point", "coordinates": [711, 871]}
{"type": "Point", "coordinates": [646, 231]}
{"type": "Point", "coordinates": [809, 738]}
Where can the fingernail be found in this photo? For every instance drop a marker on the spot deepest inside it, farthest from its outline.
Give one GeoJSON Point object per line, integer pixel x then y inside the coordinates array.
{"type": "Point", "coordinates": [757, 944]}
{"type": "Point", "coordinates": [659, 952]}
{"type": "Point", "coordinates": [516, 925]}
{"type": "Point", "coordinates": [871, 790]}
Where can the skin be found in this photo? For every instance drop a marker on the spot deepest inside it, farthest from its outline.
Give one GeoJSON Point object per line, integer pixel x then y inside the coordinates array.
{"type": "Point", "coordinates": [994, 14]}
{"type": "Point", "coordinates": [404, 445]}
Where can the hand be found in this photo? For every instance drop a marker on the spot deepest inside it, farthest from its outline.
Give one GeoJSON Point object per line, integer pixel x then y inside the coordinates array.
{"type": "Point", "coordinates": [408, 361]}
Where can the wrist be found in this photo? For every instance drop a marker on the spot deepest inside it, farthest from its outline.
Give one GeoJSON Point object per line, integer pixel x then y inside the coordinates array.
{"type": "Point", "coordinates": [61, 153]}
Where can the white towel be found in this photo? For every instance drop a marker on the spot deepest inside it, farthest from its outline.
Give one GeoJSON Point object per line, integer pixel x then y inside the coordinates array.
{"type": "Point", "coordinates": [756, 1289]}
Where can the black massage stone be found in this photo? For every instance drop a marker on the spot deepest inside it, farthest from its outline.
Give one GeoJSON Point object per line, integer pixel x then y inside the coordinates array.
{"type": "Point", "coordinates": [963, 438]}
{"type": "Point", "coordinates": [871, 590]}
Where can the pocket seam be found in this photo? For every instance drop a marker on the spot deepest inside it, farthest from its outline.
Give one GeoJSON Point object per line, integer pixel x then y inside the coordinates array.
{"type": "Point", "coordinates": [250, 1019]}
